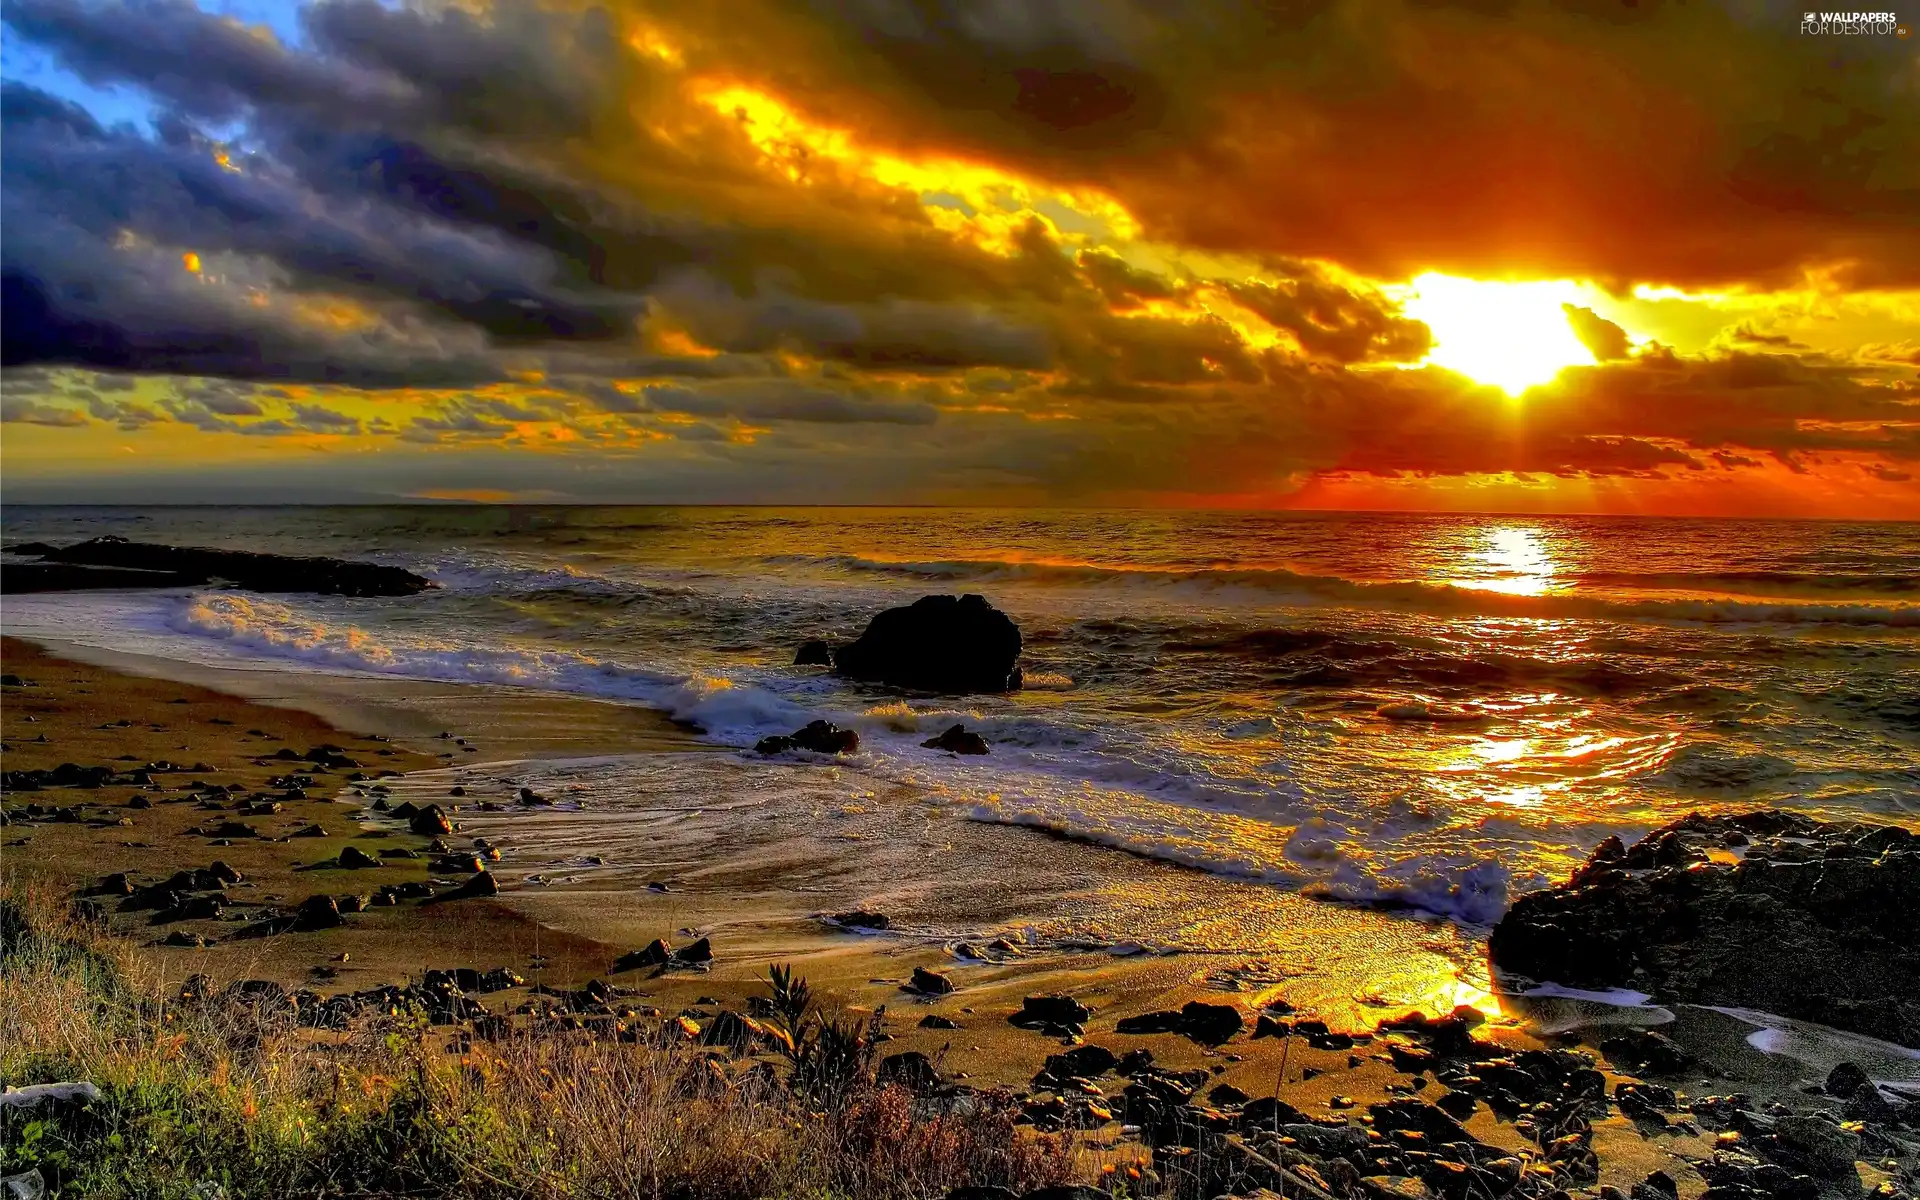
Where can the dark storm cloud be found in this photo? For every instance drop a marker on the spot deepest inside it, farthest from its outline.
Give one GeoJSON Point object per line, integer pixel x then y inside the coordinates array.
{"type": "Point", "coordinates": [1617, 143]}
{"type": "Point", "coordinates": [1330, 321]}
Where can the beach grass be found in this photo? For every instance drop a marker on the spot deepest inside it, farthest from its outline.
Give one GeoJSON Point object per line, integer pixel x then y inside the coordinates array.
{"type": "Point", "coordinates": [218, 1096]}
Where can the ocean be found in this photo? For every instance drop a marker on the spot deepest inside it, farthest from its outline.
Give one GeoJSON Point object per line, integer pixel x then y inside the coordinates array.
{"type": "Point", "coordinates": [1425, 712]}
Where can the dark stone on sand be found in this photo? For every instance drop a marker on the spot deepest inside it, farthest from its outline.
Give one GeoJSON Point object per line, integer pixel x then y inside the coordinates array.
{"type": "Point", "coordinates": [929, 983]}
{"type": "Point", "coordinates": [699, 952]}
{"type": "Point", "coordinates": [910, 1069]}
{"type": "Point", "coordinates": [861, 920]}
{"type": "Point", "coordinates": [1081, 1062]}
{"type": "Point", "coordinates": [399, 852]}
{"type": "Point", "coordinates": [430, 822]}
{"type": "Point", "coordinates": [479, 886]}
{"type": "Point", "coordinates": [1846, 1079]}
{"type": "Point", "coordinates": [1769, 910]}
{"type": "Point", "coordinates": [936, 1021]}
{"type": "Point", "coordinates": [353, 857]}
{"type": "Point", "coordinates": [937, 644]}
{"type": "Point", "coordinates": [113, 561]}
{"type": "Point", "coordinates": [656, 954]}
{"type": "Point", "coordinates": [818, 737]}
{"type": "Point", "coordinates": [1825, 1148]}
{"type": "Point", "coordinates": [1208, 1024]}
{"type": "Point", "coordinates": [813, 654]}
{"type": "Point", "coordinates": [318, 912]}
{"type": "Point", "coordinates": [1648, 1051]}
{"type": "Point", "coordinates": [957, 740]}
{"type": "Point", "coordinates": [1044, 1011]}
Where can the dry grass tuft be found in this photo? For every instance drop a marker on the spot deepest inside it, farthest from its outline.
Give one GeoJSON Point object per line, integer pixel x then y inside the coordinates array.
{"type": "Point", "coordinates": [241, 1096]}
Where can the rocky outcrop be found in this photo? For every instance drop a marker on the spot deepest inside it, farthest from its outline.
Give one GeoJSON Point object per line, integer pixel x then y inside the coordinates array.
{"type": "Point", "coordinates": [1768, 910]}
{"type": "Point", "coordinates": [115, 562]}
{"type": "Point", "coordinates": [818, 737]}
{"type": "Point", "coordinates": [937, 644]}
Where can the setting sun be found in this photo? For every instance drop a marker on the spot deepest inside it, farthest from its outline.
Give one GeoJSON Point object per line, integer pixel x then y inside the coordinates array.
{"type": "Point", "coordinates": [1512, 336]}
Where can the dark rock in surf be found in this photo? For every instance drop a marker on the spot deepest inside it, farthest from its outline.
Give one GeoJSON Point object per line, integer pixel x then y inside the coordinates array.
{"type": "Point", "coordinates": [115, 562]}
{"type": "Point", "coordinates": [1769, 910]}
{"type": "Point", "coordinates": [813, 654]}
{"type": "Point", "coordinates": [818, 737]}
{"type": "Point", "coordinates": [957, 740]}
{"type": "Point", "coordinates": [937, 644]}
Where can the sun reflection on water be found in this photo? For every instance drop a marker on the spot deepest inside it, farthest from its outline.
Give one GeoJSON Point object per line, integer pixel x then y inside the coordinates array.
{"type": "Point", "coordinates": [1515, 560]}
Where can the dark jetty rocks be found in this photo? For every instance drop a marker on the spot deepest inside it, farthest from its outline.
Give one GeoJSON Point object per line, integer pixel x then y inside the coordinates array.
{"type": "Point", "coordinates": [115, 562]}
{"type": "Point", "coordinates": [1767, 910]}
{"type": "Point", "coordinates": [949, 644]}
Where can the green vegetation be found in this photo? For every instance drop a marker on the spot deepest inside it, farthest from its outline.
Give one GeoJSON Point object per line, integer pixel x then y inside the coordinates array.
{"type": "Point", "coordinates": [224, 1096]}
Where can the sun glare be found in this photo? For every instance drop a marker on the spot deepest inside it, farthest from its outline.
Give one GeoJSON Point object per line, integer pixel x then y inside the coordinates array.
{"type": "Point", "coordinates": [1512, 336]}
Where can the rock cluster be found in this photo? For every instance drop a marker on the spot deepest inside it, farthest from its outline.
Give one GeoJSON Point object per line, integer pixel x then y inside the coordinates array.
{"type": "Point", "coordinates": [1768, 910]}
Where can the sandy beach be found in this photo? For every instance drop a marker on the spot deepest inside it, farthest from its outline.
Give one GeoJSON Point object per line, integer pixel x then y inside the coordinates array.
{"type": "Point", "coordinates": [703, 846]}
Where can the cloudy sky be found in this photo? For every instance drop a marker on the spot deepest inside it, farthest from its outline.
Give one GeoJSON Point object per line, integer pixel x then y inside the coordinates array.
{"type": "Point", "coordinates": [1525, 255]}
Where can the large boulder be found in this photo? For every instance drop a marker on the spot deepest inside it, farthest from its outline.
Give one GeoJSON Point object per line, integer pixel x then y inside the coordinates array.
{"type": "Point", "coordinates": [937, 644]}
{"type": "Point", "coordinates": [1768, 910]}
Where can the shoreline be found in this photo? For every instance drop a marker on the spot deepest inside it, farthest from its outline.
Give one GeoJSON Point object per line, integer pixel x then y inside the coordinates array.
{"type": "Point", "coordinates": [759, 902]}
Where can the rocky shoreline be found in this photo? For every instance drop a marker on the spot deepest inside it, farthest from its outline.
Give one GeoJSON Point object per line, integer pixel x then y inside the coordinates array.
{"type": "Point", "coordinates": [115, 562]}
{"type": "Point", "coordinates": [290, 851]}
{"type": "Point", "coordinates": [1765, 910]}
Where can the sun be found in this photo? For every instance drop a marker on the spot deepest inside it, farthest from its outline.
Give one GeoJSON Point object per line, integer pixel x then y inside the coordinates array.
{"type": "Point", "coordinates": [1512, 336]}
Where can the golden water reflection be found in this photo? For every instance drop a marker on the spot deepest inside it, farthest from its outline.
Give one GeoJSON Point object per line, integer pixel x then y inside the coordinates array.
{"type": "Point", "coordinates": [1515, 560]}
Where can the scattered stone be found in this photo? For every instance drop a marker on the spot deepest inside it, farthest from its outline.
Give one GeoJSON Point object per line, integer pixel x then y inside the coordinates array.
{"type": "Point", "coordinates": [1827, 1149]}
{"type": "Point", "coordinates": [1647, 1051]}
{"type": "Point", "coordinates": [318, 912]}
{"type": "Point", "coordinates": [936, 1021]}
{"type": "Point", "coordinates": [480, 885]}
{"type": "Point", "coordinates": [699, 952]}
{"type": "Point", "coordinates": [656, 954]}
{"type": "Point", "coordinates": [930, 983]}
{"type": "Point", "coordinates": [1049, 1013]}
{"type": "Point", "coordinates": [429, 821]}
{"type": "Point", "coordinates": [1208, 1024]}
{"type": "Point", "coordinates": [1081, 1062]}
{"type": "Point", "coordinates": [353, 858]}
{"type": "Point", "coordinates": [1846, 1079]}
{"type": "Point", "coordinates": [909, 1069]}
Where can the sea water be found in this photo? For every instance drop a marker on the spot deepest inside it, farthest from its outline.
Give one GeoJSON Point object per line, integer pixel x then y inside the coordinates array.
{"type": "Point", "coordinates": [1431, 712]}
